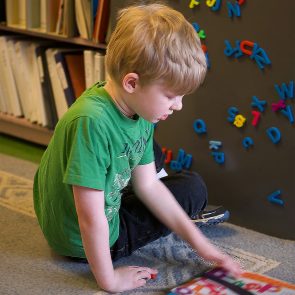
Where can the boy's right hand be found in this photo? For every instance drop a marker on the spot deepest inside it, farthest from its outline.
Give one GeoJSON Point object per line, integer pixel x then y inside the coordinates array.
{"type": "Point", "coordinates": [212, 254]}
{"type": "Point", "coordinates": [131, 277]}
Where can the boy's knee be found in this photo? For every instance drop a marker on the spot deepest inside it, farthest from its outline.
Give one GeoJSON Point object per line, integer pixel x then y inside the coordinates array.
{"type": "Point", "coordinates": [197, 187]}
{"type": "Point", "coordinates": [189, 189]}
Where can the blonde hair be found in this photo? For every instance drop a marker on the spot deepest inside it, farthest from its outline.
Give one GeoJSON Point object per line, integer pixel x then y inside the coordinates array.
{"type": "Point", "coordinates": [160, 45]}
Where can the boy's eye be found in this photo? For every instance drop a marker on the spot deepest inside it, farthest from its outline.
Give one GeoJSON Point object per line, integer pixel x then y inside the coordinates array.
{"type": "Point", "coordinates": [170, 96]}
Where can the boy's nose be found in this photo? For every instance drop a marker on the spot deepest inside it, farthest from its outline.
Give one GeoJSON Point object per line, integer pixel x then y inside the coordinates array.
{"type": "Point", "coordinates": [177, 105]}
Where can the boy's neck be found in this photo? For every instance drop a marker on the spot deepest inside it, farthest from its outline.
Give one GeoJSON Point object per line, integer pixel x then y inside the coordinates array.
{"type": "Point", "coordinates": [117, 97]}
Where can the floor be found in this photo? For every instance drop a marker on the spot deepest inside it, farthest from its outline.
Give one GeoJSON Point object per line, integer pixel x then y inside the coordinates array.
{"type": "Point", "coordinates": [21, 149]}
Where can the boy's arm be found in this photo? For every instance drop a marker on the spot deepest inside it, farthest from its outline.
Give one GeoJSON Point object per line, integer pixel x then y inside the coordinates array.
{"type": "Point", "coordinates": [95, 233]}
{"type": "Point", "coordinates": [155, 195]}
{"type": "Point", "coordinates": [94, 230]}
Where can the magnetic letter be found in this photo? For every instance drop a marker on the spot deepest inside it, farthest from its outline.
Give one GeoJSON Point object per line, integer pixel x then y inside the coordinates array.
{"type": "Point", "coordinates": [196, 27]}
{"type": "Point", "coordinates": [275, 198]}
{"type": "Point", "coordinates": [176, 166]}
{"type": "Point", "coordinates": [278, 106]}
{"type": "Point", "coordinates": [260, 104]}
{"type": "Point", "coordinates": [274, 134]}
{"type": "Point", "coordinates": [247, 142]}
{"type": "Point", "coordinates": [193, 3]}
{"type": "Point", "coordinates": [200, 126]}
{"type": "Point", "coordinates": [260, 56]}
{"type": "Point", "coordinates": [285, 91]}
{"type": "Point", "coordinates": [248, 44]}
{"type": "Point", "coordinates": [233, 9]}
{"type": "Point", "coordinates": [239, 121]}
{"type": "Point", "coordinates": [287, 112]}
{"type": "Point", "coordinates": [214, 145]}
{"type": "Point", "coordinates": [183, 159]}
{"type": "Point", "coordinates": [168, 155]}
{"type": "Point", "coordinates": [256, 118]}
{"type": "Point", "coordinates": [232, 111]}
{"type": "Point", "coordinates": [217, 5]}
{"type": "Point", "coordinates": [218, 157]}
{"type": "Point", "coordinates": [210, 3]}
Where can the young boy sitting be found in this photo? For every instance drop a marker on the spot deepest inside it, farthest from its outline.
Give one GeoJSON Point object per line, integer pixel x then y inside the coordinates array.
{"type": "Point", "coordinates": [153, 58]}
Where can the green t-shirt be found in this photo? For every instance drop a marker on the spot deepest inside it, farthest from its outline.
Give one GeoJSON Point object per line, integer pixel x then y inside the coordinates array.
{"type": "Point", "coordinates": [94, 145]}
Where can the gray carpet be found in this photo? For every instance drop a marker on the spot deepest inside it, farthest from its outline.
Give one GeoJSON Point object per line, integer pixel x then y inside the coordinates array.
{"type": "Point", "coordinates": [28, 266]}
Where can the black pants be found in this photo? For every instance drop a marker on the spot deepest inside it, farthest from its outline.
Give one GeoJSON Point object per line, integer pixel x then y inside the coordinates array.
{"type": "Point", "coordinates": [139, 227]}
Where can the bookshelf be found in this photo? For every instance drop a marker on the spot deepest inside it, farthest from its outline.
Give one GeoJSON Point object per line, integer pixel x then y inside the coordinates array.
{"type": "Point", "coordinates": [22, 128]}
{"type": "Point", "coordinates": [19, 126]}
{"type": "Point", "coordinates": [54, 37]}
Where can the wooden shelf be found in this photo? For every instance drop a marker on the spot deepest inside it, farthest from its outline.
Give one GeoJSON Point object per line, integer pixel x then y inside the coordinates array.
{"type": "Point", "coordinates": [24, 129]}
{"type": "Point", "coordinates": [54, 37]}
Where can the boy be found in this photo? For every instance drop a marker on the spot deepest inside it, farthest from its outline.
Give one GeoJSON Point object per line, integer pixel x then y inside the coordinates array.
{"type": "Point", "coordinates": [154, 57]}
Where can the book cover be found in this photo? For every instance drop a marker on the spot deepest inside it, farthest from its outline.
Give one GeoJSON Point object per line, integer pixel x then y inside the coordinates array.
{"type": "Point", "coordinates": [101, 21]}
{"type": "Point", "coordinates": [84, 18]}
{"type": "Point", "coordinates": [58, 91]}
{"type": "Point", "coordinates": [60, 16]}
{"type": "Point", "coordinates": [99, 67]}
{"type": "Point", "coordinates": [218, 282]}
{"type": "Point", "coordinates": [32, 14]}
{"type": "Point", "coordinates": [17, 73]}
{"type": "Point", "coordinates": [69, 27]}
{"type": "Point", "coordinates": [47, 93]}
{"type": "Point", "coordinates": [24, 81]}
{"type": "Point", "coordinates": [48, 15]}
{"type": "Point", "coordinates": [8, 81]}
{"type": "Point", "coordinates": [63, 74]}
{"type": "Point", "coordinates": [75, 65]}
{"type": "Point", "coordinates": [89, 67]}
{"type": "Point", "coordinates": [12, 12]}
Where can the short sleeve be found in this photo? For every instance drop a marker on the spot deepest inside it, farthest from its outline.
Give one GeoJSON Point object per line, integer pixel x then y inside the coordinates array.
{"type": "Point", "coordinates": [148, 155]}
{"type": "Point", "coordinates": [86, 153]}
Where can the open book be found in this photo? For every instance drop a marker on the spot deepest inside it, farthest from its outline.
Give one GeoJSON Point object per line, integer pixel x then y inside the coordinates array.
{"type": "Point", "coordinates": [218, 282]}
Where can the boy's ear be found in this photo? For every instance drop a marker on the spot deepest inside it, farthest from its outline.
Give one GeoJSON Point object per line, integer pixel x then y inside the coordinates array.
{"type": "Point", "coordinates": [130, 82]}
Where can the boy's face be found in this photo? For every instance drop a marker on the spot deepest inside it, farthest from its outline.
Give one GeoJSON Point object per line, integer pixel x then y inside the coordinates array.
{"type": "Point", "coordinates": [155, 102]}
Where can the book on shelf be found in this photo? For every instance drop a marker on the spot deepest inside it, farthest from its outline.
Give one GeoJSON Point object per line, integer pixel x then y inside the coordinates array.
{"type": "Point", "coordinates": [83, 18]}
{"type": "Point", "coordinates": [48, 15]}
{"type": "Point", "coordinates": [94, 67]}
{"type": "Point", "coordinates": [18, 77]}
{"type": "Point", "coordinates": [4, 107]}
{"type": "Point", "coordinates": [24, 81]}
{"type": "Point", "coordinates": [63, 74]}
{"type": "Point", "coordinates": [10, 93]}
{"type": "Point", "coordinates": [69, 27]}
{"type": "Point", "coordinates": [12, 12]}
{"type": "Point", "coordinates": [2, 101]}
{"type": "Point", "coordinates": [75, 64]}
{"type": "Point", "coordinates": [28, 73]}
{"type": "Point", "coordinates": [60, 78]}
{"type": "Point", "coordinates": [37, 94]}
{"type": "Point", "coordinates": [60, 15]}
{"type": "Point", "coordinates": [21, 22]}
{"type": "Point", "coordinates": [99, 68]}
{"type": "Point", "coordinates": [32, 14]}
{"type": "Point", "coordinates": [101, 23]}
{"type": "Point", "coordinates": [58, 93]}
{"type": "Point", "coordinates": [23, 13]}
{"type": "Point", "coordinates": [89, 67]}
{"type": "Point", "coordinates": [47, 93]}
{"type": "Point", "coordinates": [218, 282]}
